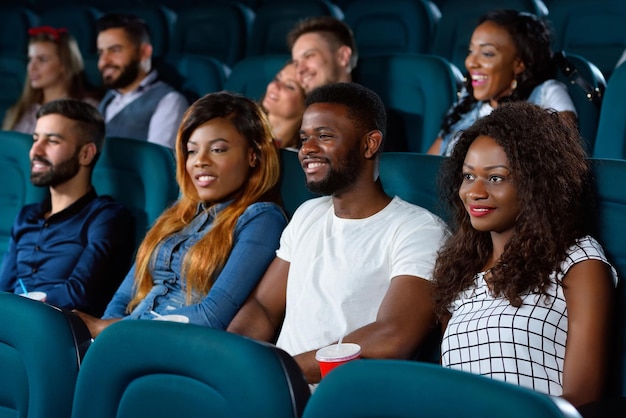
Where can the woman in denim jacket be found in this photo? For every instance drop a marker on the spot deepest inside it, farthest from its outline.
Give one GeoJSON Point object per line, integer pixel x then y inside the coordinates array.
{"type": "Point", "coordinates": [206, 253]}
{"type": "Point", "coordinates": [509, 59]}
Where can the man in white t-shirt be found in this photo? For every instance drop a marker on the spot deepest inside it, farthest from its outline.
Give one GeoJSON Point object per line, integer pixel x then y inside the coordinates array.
{"type": "Point", "coordinates": [356, 263]}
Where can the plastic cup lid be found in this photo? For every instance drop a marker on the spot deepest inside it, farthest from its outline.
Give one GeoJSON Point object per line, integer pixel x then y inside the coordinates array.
{"type": "Point", "coordinates": [34, 295]}
{"type": "Point", "coordinates": [338, 352]}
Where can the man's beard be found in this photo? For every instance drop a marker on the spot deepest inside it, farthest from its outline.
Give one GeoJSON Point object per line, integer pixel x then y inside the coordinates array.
{"type": "Point", "coordinates": [58, 173]}
{"type": "Point", "coordinates": [129, 74]}
{"type": "Point", "coordinates": [342, 177]}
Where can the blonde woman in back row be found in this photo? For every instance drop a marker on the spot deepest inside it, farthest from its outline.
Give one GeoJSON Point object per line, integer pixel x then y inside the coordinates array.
{"type": "Point", "coordinates": [55, 71]}
{"type": "Point", "coordinates": [284, 105]}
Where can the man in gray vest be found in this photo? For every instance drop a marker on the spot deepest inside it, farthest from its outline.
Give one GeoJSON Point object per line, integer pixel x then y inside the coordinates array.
{"type": "Point", "coordinates": [137, 105]}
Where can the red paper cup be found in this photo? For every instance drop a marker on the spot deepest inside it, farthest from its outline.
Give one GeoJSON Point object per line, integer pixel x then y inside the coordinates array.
{"type": "Point", "coordinates": [335, 355]}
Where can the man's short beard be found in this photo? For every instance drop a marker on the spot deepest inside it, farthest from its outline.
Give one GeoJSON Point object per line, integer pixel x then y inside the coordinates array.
{"type": "Point", "coordinates": [58, 174]}
{"type": "Point", "coordinates": [129, 74]}
{"type": "Point", "coordinates": [341, 178]}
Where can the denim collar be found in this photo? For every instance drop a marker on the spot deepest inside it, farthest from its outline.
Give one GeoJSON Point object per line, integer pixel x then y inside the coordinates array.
{"type": "Point", "coordinates": [212, 209]}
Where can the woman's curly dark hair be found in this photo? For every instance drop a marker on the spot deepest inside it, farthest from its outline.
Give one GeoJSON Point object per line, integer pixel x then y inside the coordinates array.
{"type": "Point", "coordinates": [553, 183]}
{"type": "Point", "coordinates": [531, 36]}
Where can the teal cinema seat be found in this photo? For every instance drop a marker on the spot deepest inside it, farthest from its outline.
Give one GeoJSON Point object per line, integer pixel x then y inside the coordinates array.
{"type": "Point", "coordinates": [417, 91]}
{"type": "Point", "coordinates": [220, 30]}
{"type": "Point", "coordinates": [193, 75]}
{"type": "Point", "coordinates": [139, 174]}
{"type": "Point", "coordinates": [14, 24]}
{"type": "Point", "coordinates": [460, 17]}
{"type": "Point", "coordinates": [587, 103]}
{"type": "Point", "coordinates": [611, 137]}
{"type": "Point", "coordinates": [392, 26]}
{"type": "Point", "coordinates": [412, 389]}
{"type": "Point", "coordinates": [292, 182]}
{"type": "Point", "coordinates": [158, 369]}
{"type": "Point", "coordinates": [273, 20]}
{"type": "Point", "coordinates": [413, 178]}
{"type": "Point", "coordinates": [251, 75]}
{"type": "Point", "coordinates": [41, 348]}
{"type": "Point", "coordinates": [78, 18]}
{"type": "Point", "coordinates": [610, 210]}
{"type": "Point", "coordinates": [160, 20]}
{"type": "Point", "coordinates": [592, 29]}
{"type": "Point", "coordinates": [16, 190]}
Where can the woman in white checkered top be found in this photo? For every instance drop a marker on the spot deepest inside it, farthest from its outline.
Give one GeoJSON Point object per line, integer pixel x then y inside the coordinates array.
{"type": "Point", "coordinates": [523, 292]}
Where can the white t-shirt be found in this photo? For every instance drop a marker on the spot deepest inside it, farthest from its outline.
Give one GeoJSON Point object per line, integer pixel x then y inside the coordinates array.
{"type": "Point", "coordinates": [340, 269]}
{"type": "Point", "coordinates": [524, 346]}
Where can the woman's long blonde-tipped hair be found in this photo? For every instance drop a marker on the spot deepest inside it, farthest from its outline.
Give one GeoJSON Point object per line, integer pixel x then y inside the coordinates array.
{"type": "Point", "coordinates": [205, 260]}
{"type": "Point", "coordinates": [72, 63]}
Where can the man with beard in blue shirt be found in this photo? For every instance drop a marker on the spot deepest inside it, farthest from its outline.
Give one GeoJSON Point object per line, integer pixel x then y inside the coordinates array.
{"type": "Point", "coordinates": [75, 246]}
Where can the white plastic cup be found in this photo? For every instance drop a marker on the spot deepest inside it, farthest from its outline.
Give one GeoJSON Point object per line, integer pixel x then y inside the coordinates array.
{"type": "Point", "coordinates": [40, 296]}
{"type": "Point", "coordinates": [335, 355]}
{"type": "Point", "coordinates": [172, 318]}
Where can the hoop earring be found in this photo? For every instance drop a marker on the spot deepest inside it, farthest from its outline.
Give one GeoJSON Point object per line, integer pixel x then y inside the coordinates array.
{"type": "Point", "coordinates": [514, 84]}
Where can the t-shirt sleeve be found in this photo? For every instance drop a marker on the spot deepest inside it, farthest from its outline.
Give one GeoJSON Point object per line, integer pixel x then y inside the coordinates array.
{"type": "Point", "coordinates": [415, 247]}
{"type": "Point", "coordinates": [287, 238]}
{"type": "Point", "coordinates": [586, 248]}
{"type": "Point", "coordinates": [555, 96]}
{"type": "Point", "coordinates": [300, 221]}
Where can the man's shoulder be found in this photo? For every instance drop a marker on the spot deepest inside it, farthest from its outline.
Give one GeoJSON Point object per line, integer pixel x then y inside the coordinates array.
{"type": "Point", "coordinates": [107, 204]}
{"type": "Point", "coordinates": [164, 86]}
{"type": "Point", "coordinates": [30, 209]}
{"type": "Point", "coordinates": [406, 219]}
{"type": "Point", "coordinates": [403, 210]}
{"type": "Point", "coordinates": [170, 96]}
{"type": "Point", "coordinates": [314, 205]}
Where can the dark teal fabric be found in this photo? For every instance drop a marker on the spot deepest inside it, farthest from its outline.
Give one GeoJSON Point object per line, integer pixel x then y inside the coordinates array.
{"type": "Point", "coordinates": [166, 369]}
{"type": "Point", "coordinates": [39, 359]}
{"type": "Point", "coordinates": [411, 389]}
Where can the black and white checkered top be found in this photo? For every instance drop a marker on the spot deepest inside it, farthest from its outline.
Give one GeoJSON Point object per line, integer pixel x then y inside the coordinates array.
{"type": "Point", "coordinates": [525, 345]}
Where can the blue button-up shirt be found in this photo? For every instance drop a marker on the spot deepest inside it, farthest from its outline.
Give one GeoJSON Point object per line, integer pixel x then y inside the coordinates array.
{"type": "Point", "coordinates": [78, 256]}
{"type": "Point", "coordinates": [256, 238]}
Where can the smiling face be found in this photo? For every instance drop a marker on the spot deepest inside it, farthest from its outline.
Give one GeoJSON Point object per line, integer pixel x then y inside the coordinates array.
{"type": "Point", "coordinates": [119, 59]}
{"type": "Point", "coordinates": [492, 62]}
{"type": "Point", "coordinates": [45, 69]}
{"type": "Point", "coordinates": [331, 149]}
{"type": "Point", "coordinates": [284, 96]}
{"type": "Point", "coordinates": [55, 153]}
{"type": "Point", "coordinates": [488, 189]}
{"type": "Point", "coordinates": [219, 160]}
{"type": "Point", "coordinates": [317, 63]}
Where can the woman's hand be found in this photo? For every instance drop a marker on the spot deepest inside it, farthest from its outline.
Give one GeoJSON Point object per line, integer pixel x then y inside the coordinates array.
{"type": "Point", "coordinates": [95, 325]}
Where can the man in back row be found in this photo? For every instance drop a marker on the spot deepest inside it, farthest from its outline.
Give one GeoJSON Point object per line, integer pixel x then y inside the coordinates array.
{"type": "Point", "coordinates": [75, 246]}
{"type": "Point", "coordinates": [356, 263]}
{"type": "Point", "coordinates": [323, 50]}
{"type": "Point", "coordinates": [138, 105]}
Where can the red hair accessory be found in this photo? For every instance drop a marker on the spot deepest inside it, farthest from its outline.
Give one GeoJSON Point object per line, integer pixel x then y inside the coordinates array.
{"type": "Point", "coordinates": [47, 30]}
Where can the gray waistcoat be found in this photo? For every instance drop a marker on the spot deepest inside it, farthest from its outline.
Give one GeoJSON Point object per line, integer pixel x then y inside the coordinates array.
{"type": "Point", "coordinates": [133, 120]}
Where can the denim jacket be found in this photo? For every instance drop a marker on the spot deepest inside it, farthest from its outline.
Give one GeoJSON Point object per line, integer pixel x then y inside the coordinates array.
{"type": "Point", "coordinates": [551, 94]}
{"type": "Point", "coordinates": [256, 238]}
